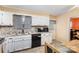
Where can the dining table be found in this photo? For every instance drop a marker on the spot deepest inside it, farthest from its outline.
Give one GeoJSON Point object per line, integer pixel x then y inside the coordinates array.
{"type": "Point", "coordinates": [73, 45]}
{"type": "Point", "coordinates": [59, 47]}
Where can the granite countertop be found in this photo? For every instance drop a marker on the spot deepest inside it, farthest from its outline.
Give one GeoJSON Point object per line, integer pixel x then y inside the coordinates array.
{"type": "Point", "coordinates": [10, 35]}
{"type": "Point", "coordinates": [2, 37]}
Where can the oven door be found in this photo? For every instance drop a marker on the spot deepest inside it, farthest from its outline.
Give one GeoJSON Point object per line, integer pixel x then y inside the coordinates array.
{"type": "Point", "coordinates": [36, 40]}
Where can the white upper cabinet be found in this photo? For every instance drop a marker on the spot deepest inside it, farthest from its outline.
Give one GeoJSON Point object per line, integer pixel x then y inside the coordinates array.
{"type": "Point", "coordinates": [40, 21]}
{"type": "Point", "coordinates": [6, 18]}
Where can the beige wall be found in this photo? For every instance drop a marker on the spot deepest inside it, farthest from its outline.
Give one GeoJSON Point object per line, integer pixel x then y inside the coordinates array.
{"type": "Point", "coordinates": [63, 23]}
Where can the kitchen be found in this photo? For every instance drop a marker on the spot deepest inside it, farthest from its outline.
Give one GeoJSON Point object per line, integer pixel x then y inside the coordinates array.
{"type": "Point", "coordinates": [24, 30]}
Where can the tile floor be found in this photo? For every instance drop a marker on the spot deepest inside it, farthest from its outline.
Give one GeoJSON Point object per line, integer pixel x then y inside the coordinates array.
{"type": "Point", "coordinates": [40, 49]}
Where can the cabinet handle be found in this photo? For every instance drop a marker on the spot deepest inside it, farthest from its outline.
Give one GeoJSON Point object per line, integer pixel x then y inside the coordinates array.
{"type": "Point", "coordinates": [39, 36]}
{"type": "Point", "coordinates": [10, 38]}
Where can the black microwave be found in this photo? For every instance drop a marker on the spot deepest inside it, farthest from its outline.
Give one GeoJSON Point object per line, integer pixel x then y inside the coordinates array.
{"type": "Point", "coordinates": [42, 30]}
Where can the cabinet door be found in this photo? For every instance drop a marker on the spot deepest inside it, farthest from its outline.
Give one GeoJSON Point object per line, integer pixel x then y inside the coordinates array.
{"type": "Point", "coordinates": [10, 47]}
{"type": "Point", "coordinates": [27, 43]}
{"type": "Point", "coordinates": [35, 20]}
{"type": "Point", "coordinates": [17, 21]}
{"type": "Point", "coordinates": [49, 38]}
{"type": "Point", "coordinates": [18, 45]}
{"type": "Point", "coordinates": [5, 47]}
{"type": "Point", "coordinates": [22, 44]}
{"type": "Point", "coordinates": [40, 20]}
{"type": "Point", "coordinates": [27, 22]}
{"type": "Point", "coordinates": [44, 20]}
{"type": "Point", "coordinates": [46, 37]}
{"type": "Point", "coordinates": [43, 38]}
{"type": "Point", "coordinates": [7, 19]}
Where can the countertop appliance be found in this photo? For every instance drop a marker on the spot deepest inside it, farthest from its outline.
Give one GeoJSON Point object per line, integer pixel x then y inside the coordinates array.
{"type": "Point", "coordinates": [42, 29]}
{"type": "Point", "coordinates": [36, 40]}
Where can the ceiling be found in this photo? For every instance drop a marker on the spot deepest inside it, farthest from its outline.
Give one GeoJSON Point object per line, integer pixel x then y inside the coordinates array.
{"type": "Point", "coordinates": [51, 9]}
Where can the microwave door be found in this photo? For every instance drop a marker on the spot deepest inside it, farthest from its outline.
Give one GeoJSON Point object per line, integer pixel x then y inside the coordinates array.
{"type": "Point", "coordinates": [45, 29]}
{"type": "Point", "coordinates": [39, 30]}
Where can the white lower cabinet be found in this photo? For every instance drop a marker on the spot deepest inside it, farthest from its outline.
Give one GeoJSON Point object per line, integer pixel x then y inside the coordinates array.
{"type": "Point", "coordinates": [22, 44]}
{"type": "Point", "coordinates": [5, 47]}
{"type": "Point", "coordinates": [46, 37]}
{"type": "Point", "coordinates": [16, 43]}
{"type": "Point", "coordinates": [8, 46]}
{"type": "Point", "coordinates": [27, 44]}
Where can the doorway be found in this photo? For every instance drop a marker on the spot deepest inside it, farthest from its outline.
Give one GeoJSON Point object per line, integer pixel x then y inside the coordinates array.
{"type": "Point", "coordinates": [74, 29]}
